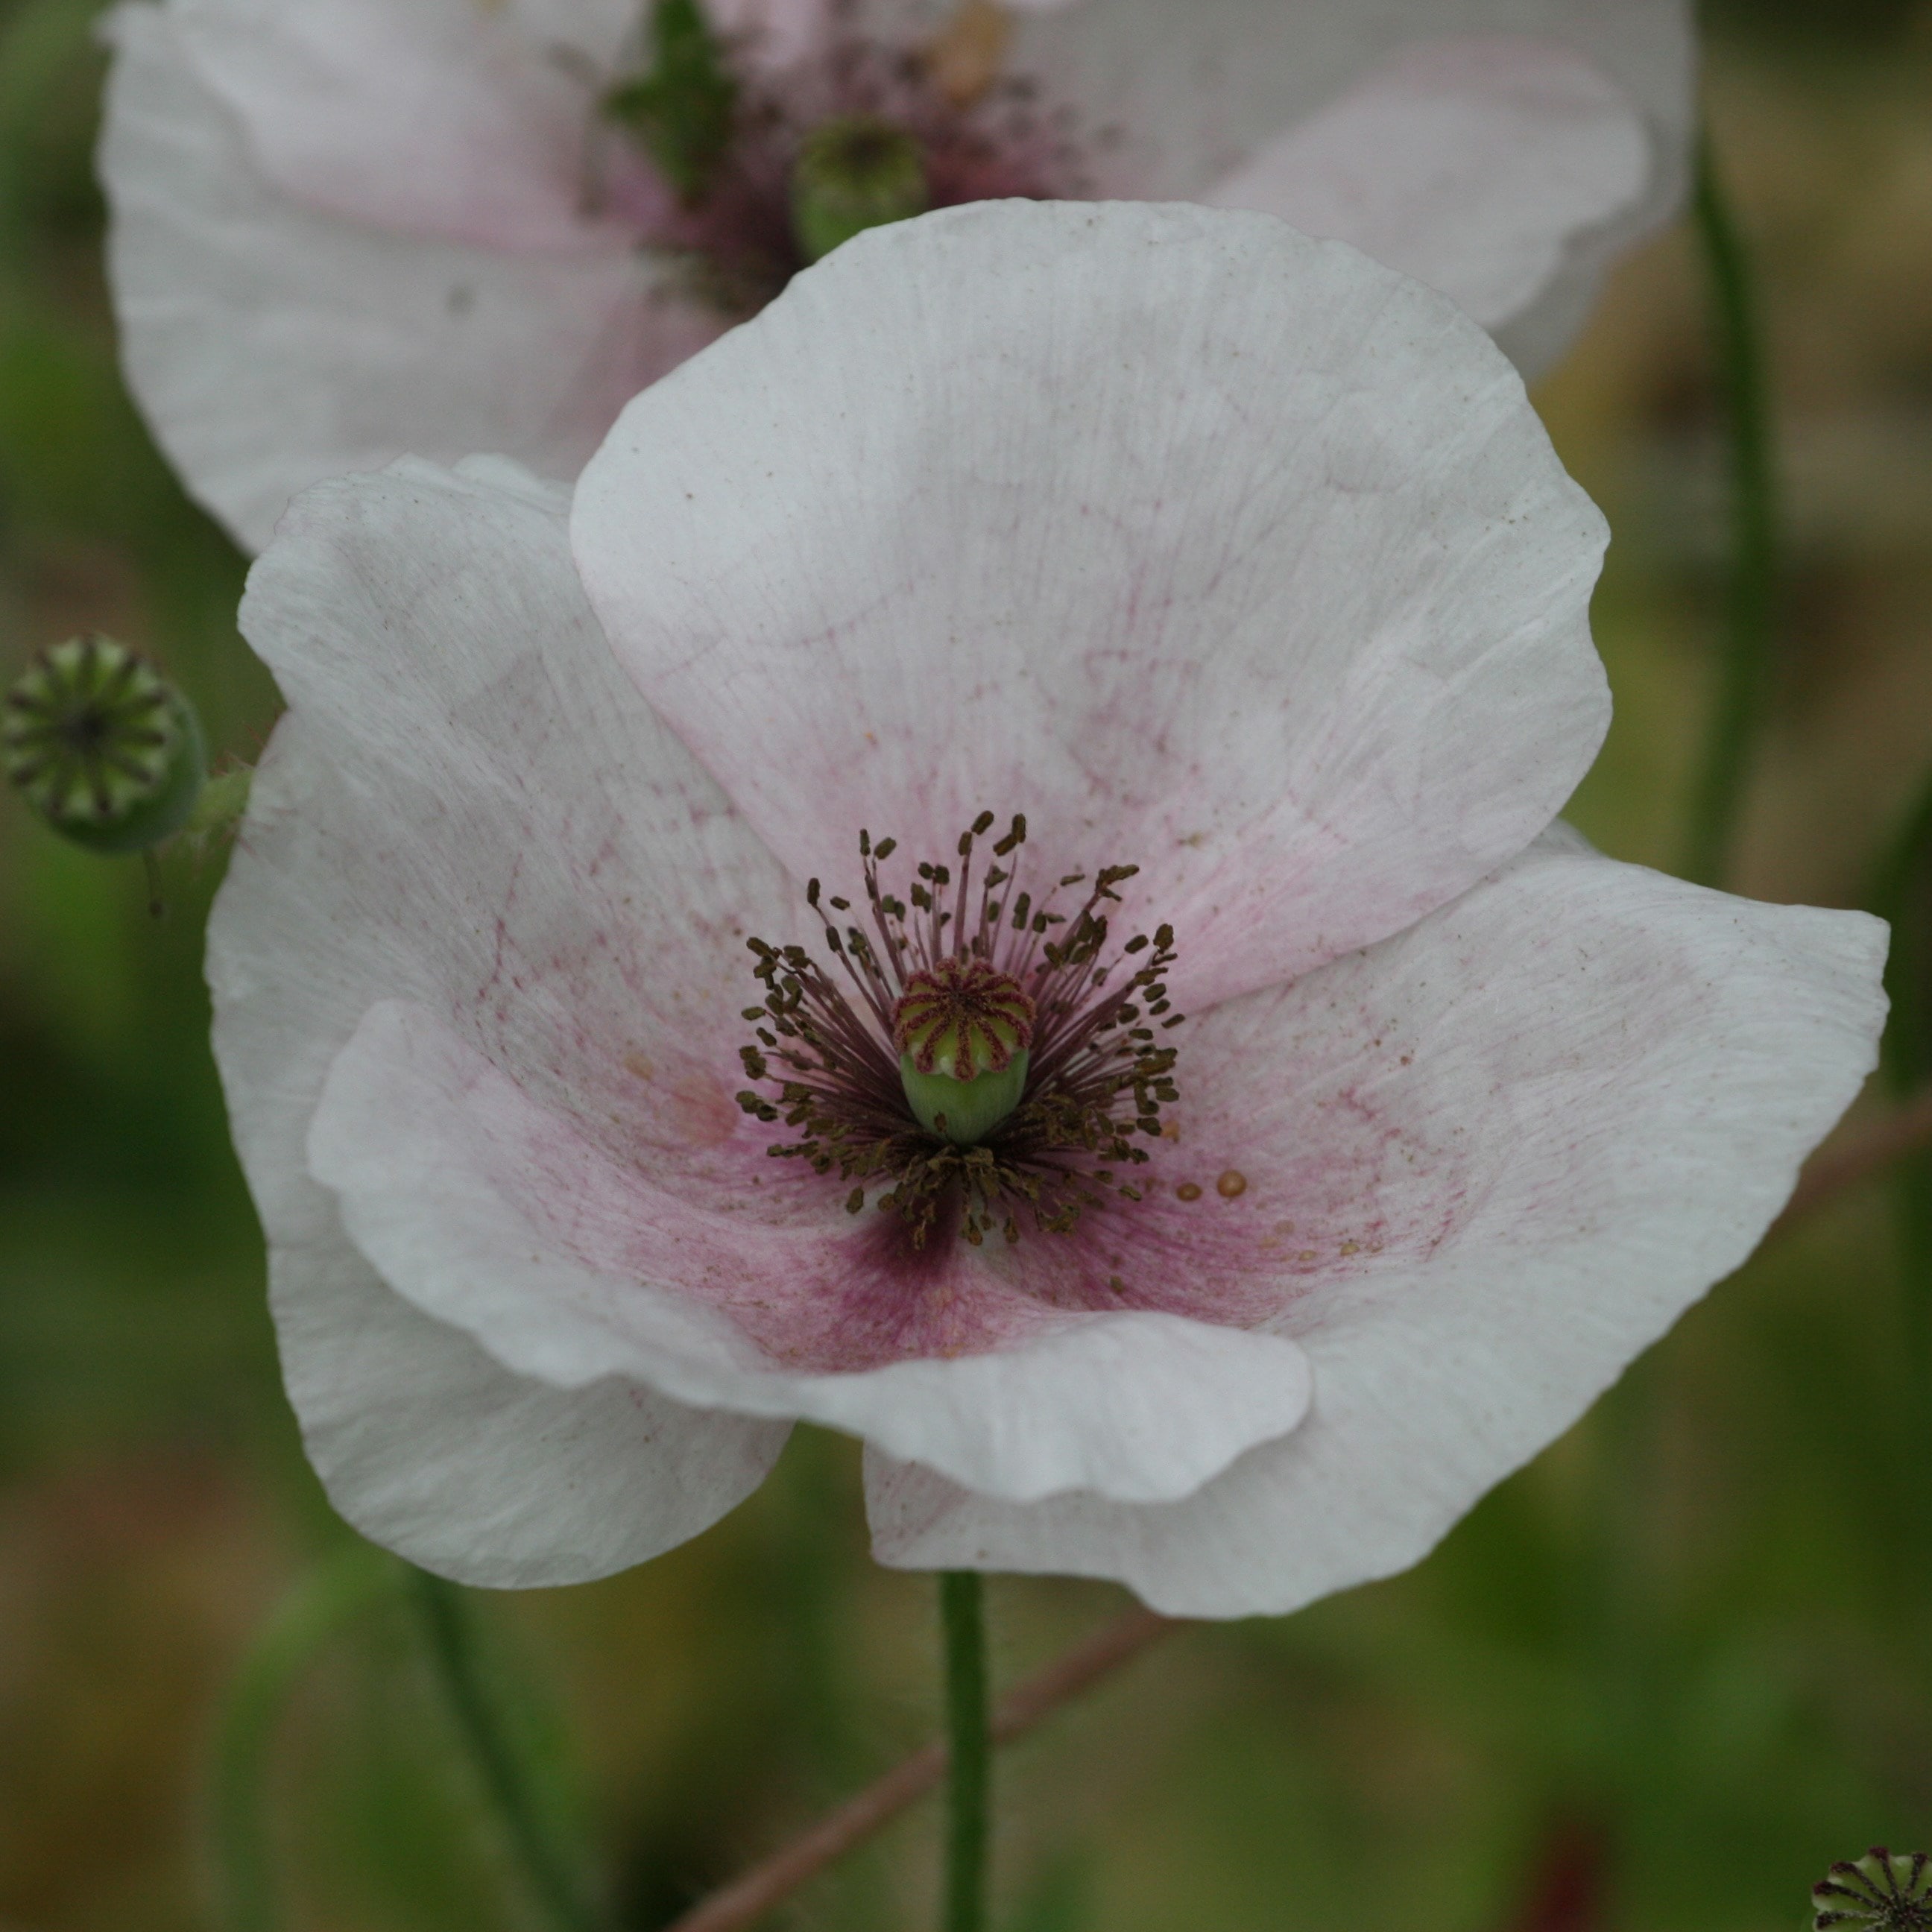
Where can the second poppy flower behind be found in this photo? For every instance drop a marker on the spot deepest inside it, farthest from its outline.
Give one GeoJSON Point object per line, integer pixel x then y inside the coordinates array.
{"type": "Point", "coordinates": [1031, 932]}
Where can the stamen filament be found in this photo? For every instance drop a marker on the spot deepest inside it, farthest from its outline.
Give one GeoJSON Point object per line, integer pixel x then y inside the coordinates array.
{"type": "Point", "coordinates": [950, 995]}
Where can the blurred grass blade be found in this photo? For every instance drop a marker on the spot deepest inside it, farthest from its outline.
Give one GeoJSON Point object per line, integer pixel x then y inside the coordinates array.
{"type": "Point", "coordinates": [1902, 892]}
{"type": "Point", "coordinates": [332, 1594]}
{"type": "Point", "coordinates": [1751, 599]}
{"type": "Point", "coordinates": [519, 1775]}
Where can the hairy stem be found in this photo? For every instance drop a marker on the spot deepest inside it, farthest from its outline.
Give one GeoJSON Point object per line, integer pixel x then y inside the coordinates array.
{"type": "Point", "coordinates": [550, 1865]}
{"type": "Point", "coordinates": [1751, 616]}
{"type": "Point", "coordinates": [969, 1749]}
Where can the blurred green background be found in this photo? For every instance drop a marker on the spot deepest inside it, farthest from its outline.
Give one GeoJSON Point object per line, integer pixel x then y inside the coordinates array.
{"type": "Point", "coordinates": [1656, 1683]}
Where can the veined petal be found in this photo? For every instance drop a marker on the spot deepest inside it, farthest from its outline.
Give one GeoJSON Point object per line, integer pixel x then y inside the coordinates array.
{"type": "Point", "coordinates": [477, 968]}
{"type": "Point", "coordinates": [1192, 94]}
{"type": "Point", "coordinates": [1604, 1079]}
{"type": "Point", "coordinates": [271, 346]}
{"type": "Point", "coordinates": [1474, 164]}
{"type": "Point", "coordinates": [1183, 534]}
{"type": "Point", "coordinates": [431, 1447]}
{"type": "Point", "coordinates": [465, 805]}
{"type": "Point", "coordinates": [497, 1216]}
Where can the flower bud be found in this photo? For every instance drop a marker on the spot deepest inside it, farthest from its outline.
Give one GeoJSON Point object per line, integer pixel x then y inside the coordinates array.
{"type": "Point", "coordinates": [852, 174]}
{"type": "Point", "coordinates": [101, 746]}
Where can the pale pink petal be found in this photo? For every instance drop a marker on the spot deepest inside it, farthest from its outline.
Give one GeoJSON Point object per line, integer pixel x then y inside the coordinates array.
{"type": "Point", "coordinates": [391, 842]}
{"type": "Point", "coordinates": [1210, 548]}
{"type": "Point", "coordinates": [474, 834]}
{"type": "Point", "coordinates": [270, 346]}
{"type": "Point", "coordinates": [438, 119]}
{"type": "Point", "coordinates": [1599, 1080]}
{"type": "Point", "coordinates": [1176, 98]}
{"type": "Point", "coordinates": [431, 1447]}
{"type": "Point", "coordinates": [1471, 164]}
{"type": "Point", "coordinates": [504, 1219]}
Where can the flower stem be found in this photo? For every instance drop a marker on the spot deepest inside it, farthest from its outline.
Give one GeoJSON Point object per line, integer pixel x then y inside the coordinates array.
{"type": "Point", "coordinates": [550, 1865]}
{"type": "Point", "coordinates": [333, 1593]}
{"type": "Point", "coordinates": [1902, 892]}
{"type": "Point", "coordinates": [748, 1898]}
{"type": "Point", "coordinates": [1751, 600]}
{"type": "Point", "coordinates": [969, 1753]}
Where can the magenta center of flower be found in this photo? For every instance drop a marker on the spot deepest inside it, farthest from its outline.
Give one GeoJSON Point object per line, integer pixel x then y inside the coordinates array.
{"type": "Point", "coordinates": [980, 1056]}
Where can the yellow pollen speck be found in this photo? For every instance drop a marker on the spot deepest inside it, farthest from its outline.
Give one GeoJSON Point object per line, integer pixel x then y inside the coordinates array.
{"type": "Point", "coordinates": [1306, 1255]}
{"type": "Point", "coordinates": [636, 1063]}
{"type": "Point", "coordinates": [1352, 1247]}
{"type": "Point", "coordinates": [964, 58]}
{"type": "Point", "coordinates": [1114, 1281]}
{"type": "Point", "coordinates": [1231, 1183]}
{"type": "Point", "coordinates": [1188, 1190]}
{"type": "Point", "coordinates": [1170, 1130]}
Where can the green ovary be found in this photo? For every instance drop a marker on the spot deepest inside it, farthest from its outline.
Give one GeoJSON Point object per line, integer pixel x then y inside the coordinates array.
{"type": "Point", "coordinates": [969, 1109]}
{"type": "Point", "coordinates": [851, 175]}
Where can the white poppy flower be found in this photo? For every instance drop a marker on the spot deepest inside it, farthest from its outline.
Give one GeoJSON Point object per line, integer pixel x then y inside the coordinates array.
{"type": "Point", "coordinates": [1214, 550]}
{"type": "Point", "coordinates": [345, 229]}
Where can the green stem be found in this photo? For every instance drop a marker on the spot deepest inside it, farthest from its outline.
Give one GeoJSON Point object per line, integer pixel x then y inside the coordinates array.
{"type": "Point", "coordinates": [1902, 892]}
{"type": "Point", "coordinates": [549, 1865]}
{"type": "Point", "coordinates": [302, 1623]}
{"type": "Point", "coordinates": [1751, 601]}
{"type": "Point", "coordinates": [969, 1753]}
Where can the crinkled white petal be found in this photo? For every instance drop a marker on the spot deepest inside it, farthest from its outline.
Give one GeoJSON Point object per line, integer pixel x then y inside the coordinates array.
{"type": "Point", "coordinates": [1628, 1072]}
{"type": "Point", "coordinates": [1211, 548]}
{"type": "Point", "coordinates": [1471, 164]}
{"type": "Point", "coordinates": [455, 715]}
{"type": "Point", "coordinates": [270, 346]}
{"type": "Point", "coordinates": [431, 1447]}
{"type": "Point", "coordinates": [1192, 94]}
{"type": "Point", "coordinates": [490, 1212]}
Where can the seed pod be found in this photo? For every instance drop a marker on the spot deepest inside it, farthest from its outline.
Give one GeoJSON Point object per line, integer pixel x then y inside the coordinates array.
{"type": "Point", "coordinates": [107, 752]}
{"type": "Point", "coordinates": [1884, 1891]}
{"type": "Point", "coordinates": [852, 174]}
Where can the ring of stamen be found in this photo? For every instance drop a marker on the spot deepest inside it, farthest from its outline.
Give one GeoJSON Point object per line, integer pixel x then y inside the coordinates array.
{"type": "Point", "coordinates": [1000, 984]}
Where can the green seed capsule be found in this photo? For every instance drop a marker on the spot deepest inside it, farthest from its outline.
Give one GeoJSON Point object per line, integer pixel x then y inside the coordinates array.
{"type": "Point", "coordinates": [1884, 1891]}
{"type": "Point", "coordinates": [852, 174]}
{"type": "Point", "coordinates": [101, 746]}
{"type": "Point", "coordinates": [965, 1112]}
